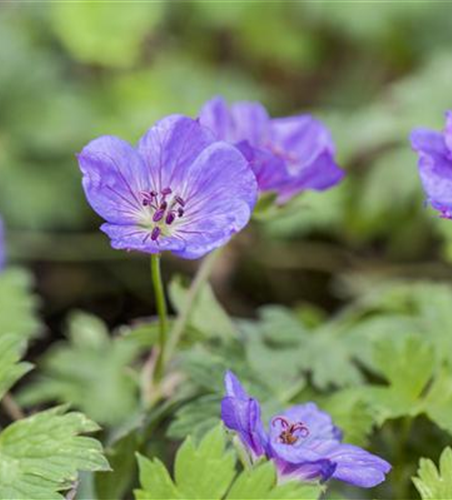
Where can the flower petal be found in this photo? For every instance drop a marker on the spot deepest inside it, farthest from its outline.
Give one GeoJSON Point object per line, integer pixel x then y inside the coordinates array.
{"type": "Point", "coordinates": [220, 191]}
{"type": "Point", "coordinates": [357, 466]}
{"type": "Point", "coordinates": [243, 121]}
{"type": "Point", "coordinates": [170, 147]}
{"type": "Point", "coordinates": [321, 470]}
{"type": "Point", "coordinates": [319, 175]}
{"type": "Point", "coordinates": [113, 177]}
{"type": "Point", "coordinates": [132, 237]}
{"type": "Point", "coordinates": [242, 414]}
{"type": "Point", "coordinates": [428, 141]}
{"type": "Point", "coordinates": [233, 386]}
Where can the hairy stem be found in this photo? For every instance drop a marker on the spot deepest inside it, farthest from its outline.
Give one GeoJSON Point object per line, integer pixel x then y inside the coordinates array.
{"type": "Point", "coordinates": [162, 313]}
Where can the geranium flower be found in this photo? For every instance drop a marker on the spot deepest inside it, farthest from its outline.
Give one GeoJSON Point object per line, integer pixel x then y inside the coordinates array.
{"type": "Point", "coordinates": [302, 441]}
{"type": "Point", "coordinates": [435, 165]}
{"type": "Point", "coordinates": [288, 155]}
{"type": "Point", "coordinates": [179, 190]}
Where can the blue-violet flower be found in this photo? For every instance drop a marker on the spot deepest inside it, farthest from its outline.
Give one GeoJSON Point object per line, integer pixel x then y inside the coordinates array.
{"type": "Point", "coordinates": [302, 441]}
{"type": "Point", "coordinates": [435, 165]}
{"type": "Point", "coordinates": [288, 155]}
{"type": "Point", "coordinates": [180, 190]}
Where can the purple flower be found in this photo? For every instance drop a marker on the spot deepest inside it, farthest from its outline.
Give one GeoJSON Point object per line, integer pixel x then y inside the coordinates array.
{"type": "Point", "coordinates": [287, 155]}
{"type": "Point", "coordinates": [302, 441]}
{"type": "Point", "coordinates": [179, 190]}
{"type": "Point", "coordinates": [435, 165]}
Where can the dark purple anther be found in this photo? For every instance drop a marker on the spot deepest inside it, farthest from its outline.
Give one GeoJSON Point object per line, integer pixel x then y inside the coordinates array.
{"type": "Point", "coordinates": [155, 233]}
{"type": "Point", "coordinates": [166, 191]}
{"type": "Point", "coordinates": [180, 201]}
{"type": "Point", "coordinates": [180, 212]}
{"type": "Point", "coordinates": [163, 205]}
{"type": "Point", "coordinates": [170, 218]}
{"type": "Point", "coordinates": [158, 215]}
{"type": "Point", "coordinates": [153, 194]}
{"type": "Point", "coordinates": [145, 202]}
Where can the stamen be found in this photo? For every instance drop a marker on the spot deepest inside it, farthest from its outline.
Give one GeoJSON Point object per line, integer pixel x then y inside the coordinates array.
{"type": "Point", "coordinates": [170, 217]}
{"type": "Point", "coordinates": [155, 233]}
{"type": "Point", "coordinates": [284, 422]}
{"type": "Point", "coordinates": [300, 426]}
{"type": "Point", "coordinates": [158, 215]}
{"type": "Point", "coordinates": [180, 212]}
{"type": "Point", "coordinates": [180, 201]}
{"type": "Point", "coordinates": [163, 205]}
{"type": "Point", "coordinates": [166, 191]}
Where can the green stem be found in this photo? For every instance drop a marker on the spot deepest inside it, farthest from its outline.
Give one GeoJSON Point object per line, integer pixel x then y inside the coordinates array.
{"type": "Point", "coordinates": [162, 313]}
{"type": "Point", "coordinates": [182, 319]}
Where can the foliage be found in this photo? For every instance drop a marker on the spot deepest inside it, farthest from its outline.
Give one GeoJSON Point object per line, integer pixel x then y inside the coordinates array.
{"type": "Point", "coordinates": [90, 371]}
{"type": "Point", "coordinates": [208, 471]}
{"type": "Point", "coordinates": [432, 482]}
{"type": "Point", "coordinates": [40, 455]}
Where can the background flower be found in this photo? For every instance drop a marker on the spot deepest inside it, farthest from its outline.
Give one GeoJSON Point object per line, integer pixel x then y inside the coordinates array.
{"type": "Point", "coordinates": [179, 190]}
{"type": "Point", "coordinates": [302, 441]}
{"type": "Point", "coordinates": [435, 165]}
{"type": "Point", "coordinates": [288, 155]}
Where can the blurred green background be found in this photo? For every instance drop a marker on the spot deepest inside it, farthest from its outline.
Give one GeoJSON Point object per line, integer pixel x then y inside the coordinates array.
{"type": "Point", "coordinates": [70, 71]}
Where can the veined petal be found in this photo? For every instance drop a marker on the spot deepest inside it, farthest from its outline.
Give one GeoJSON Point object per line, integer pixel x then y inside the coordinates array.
{"type": "Point", "coordinates": [170, 147]}
{"type": "Point", "coordinates": [220, 192]}
{"type": "Point", "coordinates": [321, 469]}
{"type": "Point", "coordinates": [132, 237]}
{"type": "Point", "coordinates": [302, 136]}
{"type": "Point", "coordinates": [242, 414]}
{"type": "Point", "coordinates": [319, 175]}
{"type": "Point", "coordinates": [357, 466]}
{"type": "Point", "coordinates": [234, 388]}
{"type": "Point", "coordinates": [241, 122]}
{"type": "Point", "coordinates": [113, 177]}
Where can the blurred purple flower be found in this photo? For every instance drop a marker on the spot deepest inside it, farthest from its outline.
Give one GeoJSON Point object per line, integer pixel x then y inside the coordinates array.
{"type": "Point", "coordinates": [2, 246]}
{"type": "Point", "coordinates": [180, 190]}
{"type": "Point", "coordinates": [302, 441]}
{"type": "Point", "coordinates": [287, 155]}
{"type": "Point", "coordinates": [435, 165]}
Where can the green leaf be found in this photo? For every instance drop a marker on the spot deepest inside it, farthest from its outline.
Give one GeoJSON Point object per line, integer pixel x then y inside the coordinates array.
{"type": "Point", "coordinates": [207, 315]}
{"type": "Point", "coordinates": [205, 471]}
{"type": "Point", "coordinates": [41, 455]}
{"type": "Point", "coordinates": [408, 366]}
{"type": "Point", "coordinates": [261, 483]}
{"type": "Point", "coordinates": [155, 481]}
{"type": "Point", "coordinates": [352, 415]}
{"type": "Point", "coordinates": [438, 401]}
{"type": "Point", "coordinates": [10, 368]}
{"type": "Point", "coordinates": [435, 483]}
{"type": "Point", "coordinates": [195, 417]}
{"type": "Point", "coordinates": [17, 304]}
{"type": "Point", "coordinates": [91, 371]}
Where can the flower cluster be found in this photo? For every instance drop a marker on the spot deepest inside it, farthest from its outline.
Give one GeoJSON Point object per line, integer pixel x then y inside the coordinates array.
{"type": "Point", "coordinates": [302, 441]}
{"type": "Point", "coordinates": [288, 155]}
{"type": "Point", "coordinates": [190, 185]}
{"type": "Point", "coordinates": [435, 165]}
